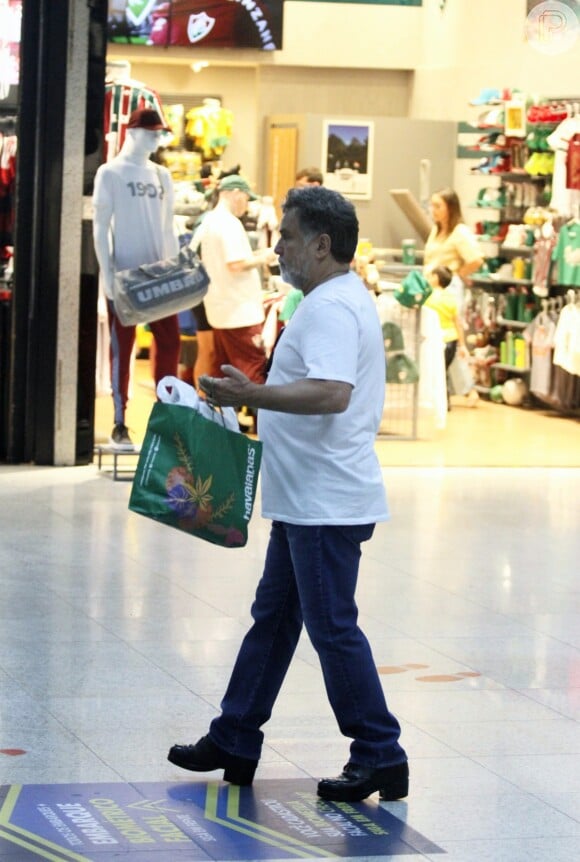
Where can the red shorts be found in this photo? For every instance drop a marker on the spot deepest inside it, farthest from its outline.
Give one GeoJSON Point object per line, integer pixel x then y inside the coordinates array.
{"type": "Point", "coordinates": [242, 348]}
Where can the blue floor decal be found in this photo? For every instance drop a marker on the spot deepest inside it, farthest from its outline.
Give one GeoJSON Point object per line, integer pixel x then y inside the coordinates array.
{"type": "Point", "coordinates": [198, 820]}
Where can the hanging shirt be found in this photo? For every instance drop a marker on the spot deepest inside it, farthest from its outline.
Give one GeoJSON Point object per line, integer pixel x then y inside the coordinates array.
{"type": "Point", "coordinates": [121, 99]}
{"type": "Point", "coordinates": [543, 250]}
{"type": "Point", "coordinates": [210, 129]}
{"type": "Point", "coordinates": [540, 336]}
{"type": "Point", "coordinates": [567, 254]}
{"type": "Point", "coordinates": [563, 198]}
{"type": "Point", "coordinates": [573, 163]}
{"type": "Point", "coordinates": [567, 340]}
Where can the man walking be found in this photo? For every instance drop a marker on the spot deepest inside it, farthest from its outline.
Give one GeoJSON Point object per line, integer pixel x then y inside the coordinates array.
{"type": "Point", "coordinates": [319, 413]}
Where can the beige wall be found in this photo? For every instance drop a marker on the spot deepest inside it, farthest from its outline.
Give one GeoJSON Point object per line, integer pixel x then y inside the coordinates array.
{"type": "Point", "coordinates": [253, 93]}
{"type": "Point", "coordinates": [472, 45]}
{"type": "Point", "coordinates": [343, 60]}
{"type": "Point", "coordinates": [348, 92]}
{"type": "Point", "coordinates": [351, 36]}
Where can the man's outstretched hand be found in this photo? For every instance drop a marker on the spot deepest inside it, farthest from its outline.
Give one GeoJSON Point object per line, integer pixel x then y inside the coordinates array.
{"type": "Point", "coordinates": [231, 390]}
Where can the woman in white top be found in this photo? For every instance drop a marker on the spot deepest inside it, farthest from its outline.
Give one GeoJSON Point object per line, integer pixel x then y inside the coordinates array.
{"type": "Point", "coordinates": [451, 243]}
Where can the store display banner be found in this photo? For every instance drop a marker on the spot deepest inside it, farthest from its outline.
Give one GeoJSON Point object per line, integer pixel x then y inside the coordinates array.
{"type": "Point", "coordinates": [197, 23]}
{"type": "Point", "coordinates": [195, 820]}
{"type": "Point", "coordinates": [372, 2]}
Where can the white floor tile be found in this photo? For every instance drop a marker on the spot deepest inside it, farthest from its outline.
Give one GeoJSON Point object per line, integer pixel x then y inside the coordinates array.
{"type": "Point", "coordinates": [117, 638]}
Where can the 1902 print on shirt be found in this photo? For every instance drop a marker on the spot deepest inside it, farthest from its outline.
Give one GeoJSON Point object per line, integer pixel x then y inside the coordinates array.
{"type": "Point", "coordinates": [195, 821]}
{"type": "Point", "coordinates": [149, 190]}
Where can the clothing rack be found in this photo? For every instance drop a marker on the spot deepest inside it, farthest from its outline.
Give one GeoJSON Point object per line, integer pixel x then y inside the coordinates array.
{"type": "Point", "coordinates": [561, 390]}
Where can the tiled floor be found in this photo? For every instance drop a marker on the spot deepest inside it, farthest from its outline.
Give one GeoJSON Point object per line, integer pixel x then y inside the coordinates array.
{"type": "Point", "coordinates": [117, 636]}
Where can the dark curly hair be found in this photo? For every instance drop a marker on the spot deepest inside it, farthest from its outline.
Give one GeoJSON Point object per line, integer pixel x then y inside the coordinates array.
{"type": "Point", "coordinates": [321, 210]}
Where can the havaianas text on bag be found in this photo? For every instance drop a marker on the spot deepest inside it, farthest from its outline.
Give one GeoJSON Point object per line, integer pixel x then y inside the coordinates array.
{"type": "Point", "coordinates": [249, 484]}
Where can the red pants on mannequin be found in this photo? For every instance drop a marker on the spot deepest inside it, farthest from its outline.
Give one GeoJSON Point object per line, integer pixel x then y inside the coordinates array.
{"type": "Point", "coordinates": [167, 348]}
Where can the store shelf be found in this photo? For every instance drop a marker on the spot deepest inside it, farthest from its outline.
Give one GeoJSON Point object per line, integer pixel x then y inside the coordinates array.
{"type": "Point", "coordinates": [523, 177]}
{"type": "Point", "coordinates": [398, 268]}
{"type": "Point", "coordinates": [466, 152]}
{"type": "Point", "coordinates": [516, 250]}
{"type": "Point", "coordinates": [470, 129]}
{"type": "Point", "coordinates": [517, 212]}
{"type": "Point", "coordinates": [503, 366]}
{"type": "Point", "coordinates": [501, 282]}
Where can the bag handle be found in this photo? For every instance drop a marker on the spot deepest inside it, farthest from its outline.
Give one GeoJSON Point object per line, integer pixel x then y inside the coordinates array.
{"type": "Point", "coordinates": [216, 409]}
{"type": "Point", "coordinates": [172, 390]}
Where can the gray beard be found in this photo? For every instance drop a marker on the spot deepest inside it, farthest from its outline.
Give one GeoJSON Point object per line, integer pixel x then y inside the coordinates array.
{"type": "Point", "coordinates": [296, 279]}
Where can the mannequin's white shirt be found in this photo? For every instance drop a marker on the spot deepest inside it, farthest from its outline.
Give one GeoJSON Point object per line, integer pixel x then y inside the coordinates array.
{"type": "Point", "coordinates": [133, 209]}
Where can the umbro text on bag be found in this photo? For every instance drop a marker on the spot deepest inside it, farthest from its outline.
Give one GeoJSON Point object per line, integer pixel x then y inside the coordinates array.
{"type": "Point", "coordinates": [159, 289]}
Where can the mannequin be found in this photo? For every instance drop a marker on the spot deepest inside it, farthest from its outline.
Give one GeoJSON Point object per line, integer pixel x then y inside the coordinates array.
{"type": "Point", "coordinates": [133, 225]}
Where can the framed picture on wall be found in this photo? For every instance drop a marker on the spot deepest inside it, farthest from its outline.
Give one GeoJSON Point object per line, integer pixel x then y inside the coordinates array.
{"type": "Point", "coordinates": [347, 157]}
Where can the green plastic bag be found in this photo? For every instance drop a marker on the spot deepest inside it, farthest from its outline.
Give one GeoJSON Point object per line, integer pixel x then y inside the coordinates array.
{"type": "Point", "coordinates": [197, 476]}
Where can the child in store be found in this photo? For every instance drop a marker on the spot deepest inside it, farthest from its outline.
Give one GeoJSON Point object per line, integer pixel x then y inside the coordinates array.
{"type": "Point", "coordinates": [445, 304]}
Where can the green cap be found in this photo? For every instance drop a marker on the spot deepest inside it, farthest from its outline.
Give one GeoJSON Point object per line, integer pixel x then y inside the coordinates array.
{"type": "Point", "coordinates": [235, 181]}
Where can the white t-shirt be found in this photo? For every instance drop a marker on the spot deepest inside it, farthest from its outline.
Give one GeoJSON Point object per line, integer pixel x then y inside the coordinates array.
{"type": "Point", "coordinates": [137, 200]}
{"type": "Point", "coordinates": [323, 469]}
{"type": "Point", "coordinates": [540, 335]}
{"type": "Point", "coordinates": [233, 299]}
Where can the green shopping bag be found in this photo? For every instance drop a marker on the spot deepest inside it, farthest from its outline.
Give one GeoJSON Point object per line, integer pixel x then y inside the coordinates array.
{"type": "Point", "coordinates": [197, 476]}
{"type": "Point", "coordinates": [413, 290]}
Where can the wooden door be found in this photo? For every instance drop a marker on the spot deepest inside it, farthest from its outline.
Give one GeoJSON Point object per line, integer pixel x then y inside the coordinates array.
{"type": "Point", "coordinates": [282, 152]}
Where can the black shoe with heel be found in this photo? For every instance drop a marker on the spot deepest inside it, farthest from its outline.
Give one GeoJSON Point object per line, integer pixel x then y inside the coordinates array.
{"type": "Point", "coordinates": [205, 756]}
{"type": "Point", "coordinates": [357, 782]}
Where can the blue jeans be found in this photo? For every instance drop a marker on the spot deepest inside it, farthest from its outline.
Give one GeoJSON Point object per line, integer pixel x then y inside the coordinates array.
{"type": "Point", "coordinates": [310, 577]}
